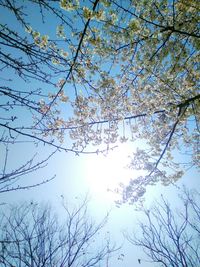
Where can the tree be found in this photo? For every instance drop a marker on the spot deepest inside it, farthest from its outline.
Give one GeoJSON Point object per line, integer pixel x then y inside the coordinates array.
{"type": "Point", "coordinates": [25, 67]}
{"type": "Point", "coordinates": [171, 237]}
{"type": "Point", "coordinates": [124, 71]}
{"type": "Point", "coordinates": [32, 235]}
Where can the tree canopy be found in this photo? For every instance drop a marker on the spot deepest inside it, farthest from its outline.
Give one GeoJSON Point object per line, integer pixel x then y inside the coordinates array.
{"type": "Point", "coordinates": [33, 235]}
{"type": "Point", "coordinates": [103, 72]}
{"type": "Point", "coordinates": [171, 236]}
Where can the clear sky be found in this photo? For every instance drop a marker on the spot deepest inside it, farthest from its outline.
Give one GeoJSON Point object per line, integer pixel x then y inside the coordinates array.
{"type": "Point", "coordinates": [93, 175]}
{"type": "Point", "coordinates": [74, 179]}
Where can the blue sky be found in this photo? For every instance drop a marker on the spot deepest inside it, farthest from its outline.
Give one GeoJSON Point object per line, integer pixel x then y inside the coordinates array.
{"type": "Point", "coordinates": [72, 182]}
{"type": "Point", "coordinates": [86, 174]}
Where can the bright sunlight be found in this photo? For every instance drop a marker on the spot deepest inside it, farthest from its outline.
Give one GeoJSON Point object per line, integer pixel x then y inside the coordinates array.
{"type": "Point", "coordinates": [104, 173]}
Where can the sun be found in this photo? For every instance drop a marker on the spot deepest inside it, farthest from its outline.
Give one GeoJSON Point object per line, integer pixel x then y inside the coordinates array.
{"type": "Point", "coordinates": [104, 173]}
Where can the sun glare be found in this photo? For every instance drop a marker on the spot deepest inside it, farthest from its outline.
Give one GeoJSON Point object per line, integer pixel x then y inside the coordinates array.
{"type": "Point", "coordinates": [104, 173]}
